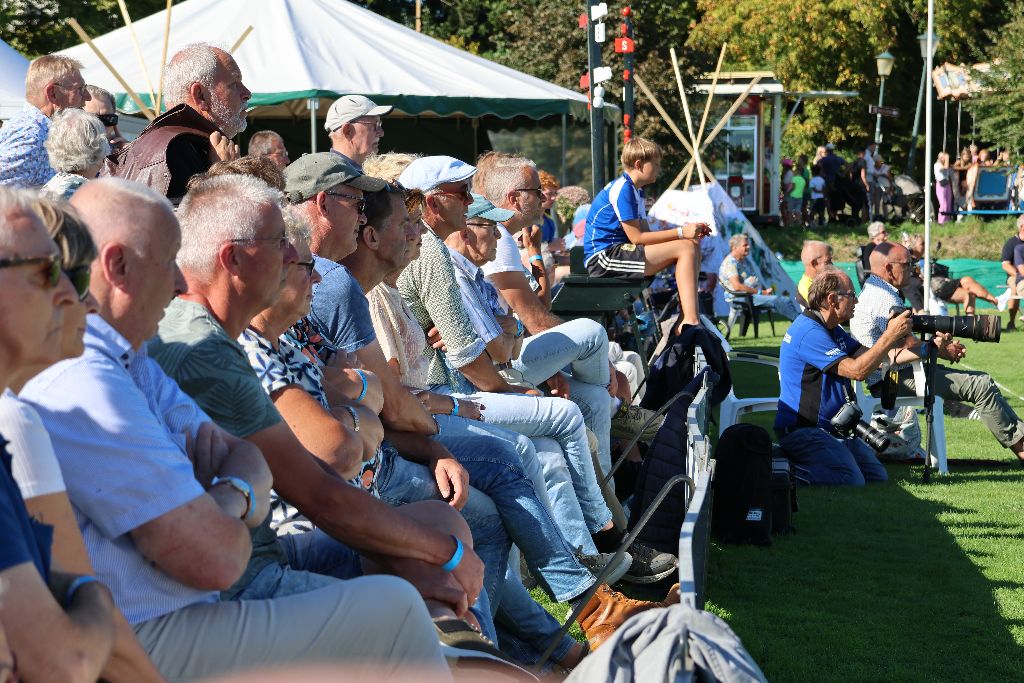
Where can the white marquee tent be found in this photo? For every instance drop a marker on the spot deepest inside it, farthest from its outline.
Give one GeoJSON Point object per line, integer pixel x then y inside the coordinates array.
{"type": "Point", "coordinates": [303, 50]}
{"type": "Point", "coordinates": [12, 81]}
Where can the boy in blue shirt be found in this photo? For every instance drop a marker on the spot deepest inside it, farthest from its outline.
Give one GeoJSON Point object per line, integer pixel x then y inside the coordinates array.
{"type": "Point", "coordinates": [618, 241]}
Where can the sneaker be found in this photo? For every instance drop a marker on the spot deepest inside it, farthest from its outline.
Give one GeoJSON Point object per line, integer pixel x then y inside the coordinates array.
{"type": "Point", "coordinates": [649, 565]}
{"type": "Point", "coordinates": [606, 611]}
{"type": "Point", "coordinates": [1004, 299]}
{"type": "Point", "coordinates": [469, 651]}
{"type": "Point", "coordinates": [630, 420]}
{"type": "Point", "coordinates": [595, 563]}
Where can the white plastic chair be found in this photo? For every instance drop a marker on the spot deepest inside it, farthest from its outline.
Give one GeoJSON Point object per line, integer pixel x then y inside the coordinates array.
{"type": "Point", "coordinates": [868, 403]}
{"type": "Point", "coordinates": [733, 407]}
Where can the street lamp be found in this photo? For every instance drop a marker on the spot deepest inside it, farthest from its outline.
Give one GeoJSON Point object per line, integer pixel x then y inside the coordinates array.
{"type": "Point", "coordinates": [884, 61]}
{"type": "Point", "coordinates": [923, 41]}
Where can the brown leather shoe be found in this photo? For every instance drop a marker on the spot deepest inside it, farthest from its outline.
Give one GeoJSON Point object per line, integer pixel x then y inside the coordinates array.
{"type": "Point", "coordinates": [606, 611]}
{"type": "Point", "coordinates": [672, 598]}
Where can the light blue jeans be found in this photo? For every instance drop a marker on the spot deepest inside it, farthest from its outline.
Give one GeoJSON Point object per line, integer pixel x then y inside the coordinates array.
{"type": "Point", "coordinates": [832, 461]}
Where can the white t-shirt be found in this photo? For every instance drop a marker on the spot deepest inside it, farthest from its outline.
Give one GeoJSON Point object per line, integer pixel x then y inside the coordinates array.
{"type": "Point", "coordinates": [33, 462]}
{"type": "Point", "coordinates": [506, 260]}
{"type": "Point", "coordinates": [817, 187]}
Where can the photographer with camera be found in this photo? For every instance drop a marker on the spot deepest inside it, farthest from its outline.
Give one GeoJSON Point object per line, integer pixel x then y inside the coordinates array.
{"type": "Point", "coordinates": [890, 267]}
{"type": "Point", "coordinates": [817, 360]}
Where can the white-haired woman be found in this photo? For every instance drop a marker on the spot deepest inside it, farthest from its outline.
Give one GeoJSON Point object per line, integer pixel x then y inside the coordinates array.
{"type": "Point", "coordinates": [76, 146]}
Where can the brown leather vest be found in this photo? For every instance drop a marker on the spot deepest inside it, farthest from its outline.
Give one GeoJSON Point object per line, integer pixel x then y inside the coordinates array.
{"type": "Point", "coordinates": [144, 160]}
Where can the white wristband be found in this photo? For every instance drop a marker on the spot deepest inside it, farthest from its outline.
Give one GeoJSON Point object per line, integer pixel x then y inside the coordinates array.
{"type": "Point", "coordinates": [679, 231]}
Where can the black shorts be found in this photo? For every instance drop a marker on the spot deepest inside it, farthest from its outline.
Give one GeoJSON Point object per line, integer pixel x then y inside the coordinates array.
{"type": "Point", "coordinates": [624, 260]}
{"type": "Point", "coordinates": [945, 287]}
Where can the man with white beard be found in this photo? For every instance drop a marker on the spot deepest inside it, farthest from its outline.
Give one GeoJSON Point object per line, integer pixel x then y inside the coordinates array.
{"type": "Point", "coordinates": [207, 100]}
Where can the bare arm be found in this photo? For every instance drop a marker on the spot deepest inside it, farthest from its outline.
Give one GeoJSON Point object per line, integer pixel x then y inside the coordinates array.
{"type": "Point", "coordinates": [128, 662]}
{"type": "Point", "coordinates": [319, 431]}
{"type": "Point", "coordinates": [532, 238]}
{"type": "Point", "coordinates": [401, 411]}
{"type": "Point", "coordinates": [52, 643]}
{"type": "Point", "coordinates": [524, 301]}
{"type": "Point", "coordinates": [865, 360]}
{"type": "Point", "coordinates": [482, 373]}
{"type": "Point", "coordinates": [341, 383]}
{"type": "Point", "coordinates": [451, 477]}
{"type": "Point", "coordinates": [216, 453]}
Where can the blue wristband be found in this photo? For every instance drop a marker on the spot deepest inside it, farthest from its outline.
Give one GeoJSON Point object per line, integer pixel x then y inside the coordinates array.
{"type": "Point", "coordinates": [451, 564]}
{"type": "Point", "coordinates": [536, 258]}
{"type": "Point", "coordinates": [82, 580]}
{"type": "Point", "coordinates": [520, 330]}
{"type": "Point", "coordinates": [362, 393]}
{"type": "Point", "coordinates": [455, 406]}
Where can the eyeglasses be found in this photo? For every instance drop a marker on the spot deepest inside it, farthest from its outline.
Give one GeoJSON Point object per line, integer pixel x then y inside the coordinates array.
{"type": "Point", "coordinates": [481, 225]}
{"type": "Point", "coordinates": [308, 265]}
{"type": "Point", "coordinates": [107, 119]}
{"type": "Point", "coordinates": [378, 124]}
{"type": "Point", "coordinates": [80, 89]}
{"type": "Point", "coordinates": [535, 190]}
{"type": "Point", "coordinates": [282, 241]}
{"type": "Point", "coordinates": [853, 294]}
{"type": "Point", "coordinates": [360, 202]}
{"type": "Point", "coordinates": [905, 264]}
{"type": "Point", "coordinates": [464, 193]}
{"type": "Point", "coordinates": [53, 270]}
{"type": "Point", "coordinates": [80, 280]}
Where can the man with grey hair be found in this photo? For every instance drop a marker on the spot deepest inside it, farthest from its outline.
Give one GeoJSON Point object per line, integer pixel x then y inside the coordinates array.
{"type": "Point", "coordinates": [270, 144]}
{"type": "Point", "coordinates": [76, 146]}
{"type": "Point", "coordinates": [738, 276]}
{"type": "Point", "coordinates": [207, 100]}
{"type": "Point", "coordinates": [102, 106]}
{"type": "Point", "coordinates": [53, 82]}
{"type": "Point", "coordinates": [354, 126]}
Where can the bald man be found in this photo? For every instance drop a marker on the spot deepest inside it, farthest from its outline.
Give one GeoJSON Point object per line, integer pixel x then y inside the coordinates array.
{"type": "Point", "coordinates": [815, 255]}
{"type": "Point", "coordinates": [207, 102]}
{"type": "Point", "coordinates": [891, 266]}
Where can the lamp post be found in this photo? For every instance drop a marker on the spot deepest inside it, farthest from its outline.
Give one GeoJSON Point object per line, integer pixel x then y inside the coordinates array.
{"type": "Point", "coordinates": [884, 62]}
{"type": "Point", "coordinates": [923, 41]}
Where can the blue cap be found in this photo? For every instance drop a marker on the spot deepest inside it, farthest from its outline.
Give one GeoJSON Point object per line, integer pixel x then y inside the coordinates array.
{"type": "Point", "coordinates": [483, 208]}
{"type": "Point", "coordinates": [426, 173]}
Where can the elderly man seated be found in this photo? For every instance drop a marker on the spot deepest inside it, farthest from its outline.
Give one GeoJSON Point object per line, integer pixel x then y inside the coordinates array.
{"type": "Point", "coordinates": [165, 498]}
{"type": "Point", "coordinates": [738, 276]}
{"type": "Point", "coordinates": [890, 267]}
{"type": "Point", "coordinates": [76, 147]}
{"type": "Point", "coordinates": [206, 103]}
{"type": "Point", "coordinates": [53, 82]}
{"type": "Point", "coordinates": [60, 626]}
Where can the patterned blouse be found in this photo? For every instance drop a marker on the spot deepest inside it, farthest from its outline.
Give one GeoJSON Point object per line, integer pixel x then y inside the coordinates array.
{"type": "Point", "coordinates": [399, 335]}
{"type": "Point", "coordinates": [288, 365]}
{"type": "Point", "coordinates": [23, 158]}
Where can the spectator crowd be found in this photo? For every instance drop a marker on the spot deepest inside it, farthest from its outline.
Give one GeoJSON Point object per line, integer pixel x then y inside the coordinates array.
{"type": "Point", "coordinates": [261, 412]}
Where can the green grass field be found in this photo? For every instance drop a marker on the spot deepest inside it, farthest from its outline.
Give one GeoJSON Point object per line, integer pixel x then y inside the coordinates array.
{"type": "Point", "coordinates": [899, 581]}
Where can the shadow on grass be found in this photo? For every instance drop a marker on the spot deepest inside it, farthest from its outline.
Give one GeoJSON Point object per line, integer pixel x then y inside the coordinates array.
{"type": "Point", "coordinates": [874, 587]}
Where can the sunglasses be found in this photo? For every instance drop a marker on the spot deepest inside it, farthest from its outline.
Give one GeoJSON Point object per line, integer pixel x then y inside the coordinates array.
{"type": "Point", "coordinates": [282, 241]}
{"type": "Point", "coordinates": [360, 202]}
{"type": "Point", "coordinates": [53, 268]}
{"type": "Point", "coordinates": [80, 280]}
{"type": "Point", "coordinates": [107, 119]}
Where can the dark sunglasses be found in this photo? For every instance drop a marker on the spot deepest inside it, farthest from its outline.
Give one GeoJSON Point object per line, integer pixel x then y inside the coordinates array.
{"type": "Point", "coordinates": [360, 202]}
{"type": "Point", "coordinates": [53, 270]}
{"type": "Point", "coordinates": [80, 280]}
{"type": "Point", "coordinates": [107, 119]}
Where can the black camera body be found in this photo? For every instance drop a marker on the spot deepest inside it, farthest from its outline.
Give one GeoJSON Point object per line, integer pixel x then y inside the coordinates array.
{"type": "Point", "coordinates": [848, 422]}
{"type": "Point", "coordinates": [983, 328]}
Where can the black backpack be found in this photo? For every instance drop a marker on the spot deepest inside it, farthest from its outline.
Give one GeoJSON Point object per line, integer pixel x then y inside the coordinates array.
{"type": "Point", "coordinates": [742, 503]}
{"type": "Point", "coordinates": [673, 368]}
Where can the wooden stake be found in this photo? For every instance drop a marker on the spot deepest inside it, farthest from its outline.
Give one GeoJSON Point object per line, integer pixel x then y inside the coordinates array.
{"type": "Point", "coordinates": [664, 114]}
{"type": "Point", "coordinates": [163, 58]}
{"type": "Point", "coordinates": [241, 39]}
{"type": "Point", "coordinates": [686, 110]}
{"type": "Point", "coordinates": [707, 105]}
{"type": "Point", "coordinates": [127, 88]}
{"type": "Point", "coordinates": [138, 50]}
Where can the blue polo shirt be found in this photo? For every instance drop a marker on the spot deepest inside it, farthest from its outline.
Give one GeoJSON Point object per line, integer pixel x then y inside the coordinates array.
{"type": "Point", "coordinates": [812, 392]}
{"type": "Point", "coordinates": [21, 538]}
{"type": "Point", "coordinates": [619, 201]}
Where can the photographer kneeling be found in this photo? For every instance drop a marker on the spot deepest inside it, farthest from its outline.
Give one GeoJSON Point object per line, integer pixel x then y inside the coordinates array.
{"type": "Point", "coordinates": [817, 360]}
{"type": "Point", "coordinates": [890, 268]}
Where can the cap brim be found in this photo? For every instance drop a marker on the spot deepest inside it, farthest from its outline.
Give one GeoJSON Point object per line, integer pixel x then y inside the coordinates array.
{"type": "Point", "coordinates": [366, 183]}
{"type": "Point", "coordinates": [379, 111]}
{"type": "Point", "coordinates": [495, 214]}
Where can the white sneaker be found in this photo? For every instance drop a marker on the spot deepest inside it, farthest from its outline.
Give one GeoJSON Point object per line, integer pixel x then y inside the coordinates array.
{"type": "Point", "coordinates": [1003, 299]}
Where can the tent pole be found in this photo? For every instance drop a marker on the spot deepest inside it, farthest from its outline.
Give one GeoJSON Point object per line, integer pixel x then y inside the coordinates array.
{"type": "Point", "coordinates": [565, 148]}
{"type": "Point", "coordinates": [476, 144]}
{"type": "Point", "coordinates": [775, 183]}
{"type": "Point", "coordinates": [313, 104]}
{"type": "Point", "coordinates": [959, 120]}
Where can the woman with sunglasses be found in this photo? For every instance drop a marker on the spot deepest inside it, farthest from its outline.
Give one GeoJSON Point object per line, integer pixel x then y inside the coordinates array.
{"type": "Point", "coordinates": [76, 145]}
{"type": "Point", "coordinates": [34, 463]}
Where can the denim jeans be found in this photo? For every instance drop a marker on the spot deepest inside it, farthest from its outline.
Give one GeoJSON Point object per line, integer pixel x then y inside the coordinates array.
{"type": "Point", "coordinates": [561, 421]}
{"type": "Point", "coordinates": [832, 461]}
{"type": "Point", "coordinates": [495, 469]}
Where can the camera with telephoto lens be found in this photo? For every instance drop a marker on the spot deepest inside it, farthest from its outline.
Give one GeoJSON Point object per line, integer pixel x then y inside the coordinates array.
{"type": "Point", "coordinates": [983, 328]}
{"type": "Point", "coordinates": [848, 422]}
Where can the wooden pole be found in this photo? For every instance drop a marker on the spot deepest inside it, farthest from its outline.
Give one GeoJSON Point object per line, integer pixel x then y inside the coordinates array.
{"type": "Point", "coordinates": [686, 110]}
{"type": "Point", "coordinates": [664, 114]}
{"type": "Point", "coordinates": [419, 10]}
{"type": "Point", "coordinates": [163, 58]}
{"type": "Point", "coordinates": [124, 84]}
{"type": "Point", "coordinates": [241, 39]}
{"type": "Point", "coordinates": [707, 105]}
{"type": "Point", "coordinates": [138, 51]}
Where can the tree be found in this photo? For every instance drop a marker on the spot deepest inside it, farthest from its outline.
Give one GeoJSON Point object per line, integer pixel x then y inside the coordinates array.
{"type": "Point", "coordinates": [999, 109]}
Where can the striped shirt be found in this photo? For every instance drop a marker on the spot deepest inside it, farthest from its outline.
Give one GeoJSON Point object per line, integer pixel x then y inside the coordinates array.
{"type": "Point", "coordinates": [619, 201]}
{"type": "Point", "coordinates": [119, 426]}
{"type": "Point", "coordinates": [871, 316]}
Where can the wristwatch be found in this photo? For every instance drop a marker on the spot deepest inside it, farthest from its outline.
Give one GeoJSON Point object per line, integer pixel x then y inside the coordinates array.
{"type": "Point", "coordinates": [243, 487]}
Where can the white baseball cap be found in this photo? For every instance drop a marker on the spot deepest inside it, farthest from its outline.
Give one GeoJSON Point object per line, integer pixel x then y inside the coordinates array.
{"type": "Point", "coordinates": [350, 107]}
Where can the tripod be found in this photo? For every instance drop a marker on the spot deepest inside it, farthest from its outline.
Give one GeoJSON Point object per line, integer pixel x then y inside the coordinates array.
{"type": "Point", "coordinates": [929, 404]}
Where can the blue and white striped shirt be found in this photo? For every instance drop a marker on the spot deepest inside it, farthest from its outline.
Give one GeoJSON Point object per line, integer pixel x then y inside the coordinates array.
{"type": "Point", "coordinates": [118, 426]}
